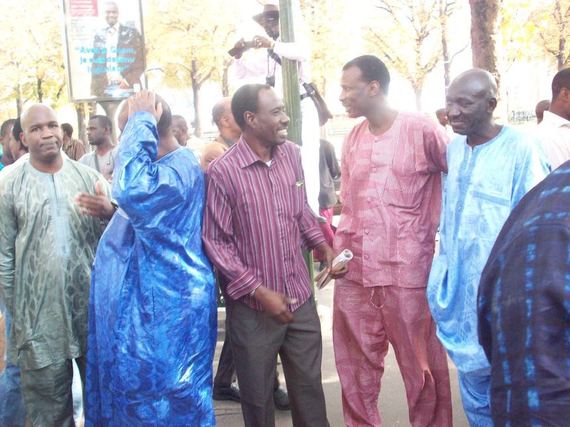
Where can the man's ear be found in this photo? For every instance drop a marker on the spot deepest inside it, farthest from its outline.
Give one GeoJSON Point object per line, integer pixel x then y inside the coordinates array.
{"type": "Point", "coordinates": [374, 88]}
{"type": "Point", "coordinates": [491, 104]}
{"type": "Point", "coordinates": [249, 119]}
{"type": "Point", "coordinates": [23, 140]}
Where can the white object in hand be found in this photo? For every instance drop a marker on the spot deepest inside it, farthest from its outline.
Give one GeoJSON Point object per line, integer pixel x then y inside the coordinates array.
{"type": "Point", "coordinates": [343, 258]}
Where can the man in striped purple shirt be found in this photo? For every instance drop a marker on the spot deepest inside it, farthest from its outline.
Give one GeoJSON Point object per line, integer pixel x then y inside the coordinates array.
{"type": "Point", "coordinates": [257, 222]}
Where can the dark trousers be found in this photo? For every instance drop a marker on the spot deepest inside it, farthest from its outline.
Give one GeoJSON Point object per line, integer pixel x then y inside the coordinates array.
{"type": "Point", "coordinates": [226, 366]}
{"type": "Point", "coordinates": [256, 340]}
{"type": "Point", "coordinates": [47, 393]}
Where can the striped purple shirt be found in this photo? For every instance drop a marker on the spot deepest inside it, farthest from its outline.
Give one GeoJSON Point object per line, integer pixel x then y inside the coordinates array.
{"type": "Point", "coordinates": [257, 221]}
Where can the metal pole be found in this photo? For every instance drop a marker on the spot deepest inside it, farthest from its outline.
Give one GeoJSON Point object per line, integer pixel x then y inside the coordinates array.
{"type": "Point", "coordinates": [291, 94]}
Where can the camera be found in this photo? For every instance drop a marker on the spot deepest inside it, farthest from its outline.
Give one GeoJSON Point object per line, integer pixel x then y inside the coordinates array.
{"type": "Point", "coordinates": [237, 51]}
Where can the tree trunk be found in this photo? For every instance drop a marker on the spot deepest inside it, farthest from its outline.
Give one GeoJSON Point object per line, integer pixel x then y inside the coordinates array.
{"type": "Point", "coordinates": [40, 90]}
{"type": "Point", "coordinates": [291, 95]}
{"type": "Point", "coordinates": [444, 45]}
{"type": "Point", "coordinates": [483, 26]}
{"type": "Point", "coordinates": [197, 121]}
{"type": "Point", "coordinates": [19, 102]}
{"type": "Point", "coordinates": [225, 83]}
{"type": "Point", "coordinates": [560, 58]}
{"type": "Point", "coordinates": [196, 97]}
{"type": "Point", "coordinates": [81, 128]}
{"type": "Point", "coordinates": [418, 93]}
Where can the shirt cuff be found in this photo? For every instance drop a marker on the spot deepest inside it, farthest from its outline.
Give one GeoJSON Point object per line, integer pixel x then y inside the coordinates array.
{"type": "Point", "coordinates": [242, 286]}
{"type": "Point", "coordinates": [314, 238]}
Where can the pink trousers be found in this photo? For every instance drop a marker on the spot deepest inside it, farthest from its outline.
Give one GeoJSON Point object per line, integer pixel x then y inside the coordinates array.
{"type": "Point", "coordinates": [365, 320]}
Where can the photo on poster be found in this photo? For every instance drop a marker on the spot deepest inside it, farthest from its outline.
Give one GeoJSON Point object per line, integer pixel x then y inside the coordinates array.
{"type": "Point", "coordinates": [105, 54]}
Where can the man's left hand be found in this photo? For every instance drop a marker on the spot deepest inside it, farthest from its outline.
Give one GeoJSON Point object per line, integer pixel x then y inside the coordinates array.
{"type": "Point", "coordinates": [145, 100]}
{"type": "Point", "coordinates": [262, 42]}
{"type": "Point", "coordinates": [97, 205]}
{"type": "Point", "coordinates": [327, 252]}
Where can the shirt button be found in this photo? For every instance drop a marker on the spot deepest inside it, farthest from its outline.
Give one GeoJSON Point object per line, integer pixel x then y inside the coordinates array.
{"type": "Point", "coordinates": [366, 231]}
{"type": "Point", "coordinates": [369, 199]}
{"type": "Point", "coordinates": [366, 256]}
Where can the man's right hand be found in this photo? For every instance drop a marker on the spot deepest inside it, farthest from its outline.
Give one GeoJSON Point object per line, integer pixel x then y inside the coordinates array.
{"type": "Point", "coordinates": [275, 304]}
{"type": "Point", "coordinates": [97, 205]}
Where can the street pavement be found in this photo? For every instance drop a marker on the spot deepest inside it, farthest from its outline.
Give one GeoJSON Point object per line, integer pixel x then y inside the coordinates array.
{"type": "Point", "coordinates": [392, 402]}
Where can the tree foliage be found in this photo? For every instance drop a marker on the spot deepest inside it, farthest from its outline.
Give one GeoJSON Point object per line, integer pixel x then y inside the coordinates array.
{"type": "Point", "coordinates": [407, 35]}
{"type": "Point", "coordinates": [189, 40]}
{"type": "Point", "coordinates": [516, 33]}
{"type": "Point", "coordinates": [551, 19]}
{"type": "Point", "coordinates": [483, 34]}
{"type": "Point", "coordinates": [328, 38]}
{"type": "Point", "coordinates": [31, 57]}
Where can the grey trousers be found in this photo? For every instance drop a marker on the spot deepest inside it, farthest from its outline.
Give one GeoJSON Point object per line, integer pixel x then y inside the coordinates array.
{"type": "Point", "coordinates": [226, 366]}
{"type": "Point", "coordinates": [256, 341]}
{"type": "Point", "coordinates": [47, 393]}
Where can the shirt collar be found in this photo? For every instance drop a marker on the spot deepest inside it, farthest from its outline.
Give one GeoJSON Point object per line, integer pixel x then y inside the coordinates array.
{"type": "Point", "coordinates": [554, 120]}
{"type": "Point", "coordinates": [247, 157]}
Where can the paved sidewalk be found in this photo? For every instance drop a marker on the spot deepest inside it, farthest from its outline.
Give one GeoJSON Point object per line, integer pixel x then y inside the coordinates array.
{"type": "Point", "coordinates": [392, 397]}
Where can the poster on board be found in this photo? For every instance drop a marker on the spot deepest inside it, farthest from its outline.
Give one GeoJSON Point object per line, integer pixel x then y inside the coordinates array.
{"type": "Point", "coordinates": [105, 54]}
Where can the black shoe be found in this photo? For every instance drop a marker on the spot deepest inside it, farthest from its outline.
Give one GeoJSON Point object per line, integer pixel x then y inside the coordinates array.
{"type": "Point", "coordinates": [281, 399]}
{"type": "Point", "coordinates": [227, 393]}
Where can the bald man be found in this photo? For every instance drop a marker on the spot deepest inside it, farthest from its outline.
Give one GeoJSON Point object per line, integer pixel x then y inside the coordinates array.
{"type": "Point", "coordinates": [490, 168]}
{"type": "Point", "coordinates": [229, 132]}
{"type": "Point", "coordinates": [47, 247]}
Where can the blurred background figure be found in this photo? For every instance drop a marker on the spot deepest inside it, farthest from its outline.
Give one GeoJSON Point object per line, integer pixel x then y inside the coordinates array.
{"type": "Point", "coordinates": [5, 131]}
{"type": "Point", "coordinates": [540, 108]}
{"type": "Point", "coordinates": [100, 136]}
{"type": "Point", "coordinates": [72, 147]}
{"type": "Point", "coordinates": [329, 173]}
{"type": "Point", "coordinates": [554, 130]}
{"type": "Point", "coordinates": [229, 132]}
{"type": "Point", "coordinates": [441, 115]}
{"type": "Point", "coordinates": [185, 138]}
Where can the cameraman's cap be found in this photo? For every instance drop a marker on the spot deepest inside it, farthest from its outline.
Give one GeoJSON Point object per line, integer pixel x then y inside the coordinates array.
{"type": "Point", "coordinates": [270, 10]}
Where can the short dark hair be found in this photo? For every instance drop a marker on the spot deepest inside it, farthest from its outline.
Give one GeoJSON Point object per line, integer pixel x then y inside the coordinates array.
{"type": "Point", "coordinates": [372, 69]}
{"type": "Point", "coordinates": [67, 129]}
{"type": "Point", "coordinates": [561, 80]}
{"type": "Point", "coordinates": [178, 117]}
{"type": "Point", "coordinates": [246, 99]}
{"type": "Point", "coordinates": [104, 121]}
{"type": "Point", "coordinates": [165, 122]}
{"type": "Point", "coordinates": [4, 128]}
{"type": "Point", "coordinates": [17, 129]}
